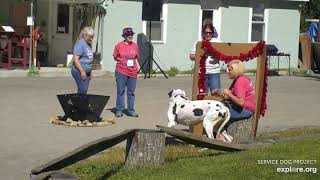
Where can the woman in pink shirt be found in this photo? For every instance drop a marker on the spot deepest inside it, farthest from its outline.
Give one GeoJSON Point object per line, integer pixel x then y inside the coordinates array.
{"type": "Point", "coordinates": [241, 94]}
{"type": "Point", "coordinates": [126, 53]}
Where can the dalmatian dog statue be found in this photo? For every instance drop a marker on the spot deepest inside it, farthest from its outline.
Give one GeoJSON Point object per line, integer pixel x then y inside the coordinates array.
{"type": "Point", "coordinates": [183, 111]}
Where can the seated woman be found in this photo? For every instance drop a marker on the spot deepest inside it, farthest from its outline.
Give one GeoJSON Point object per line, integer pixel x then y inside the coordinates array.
{"type": "Point", "coordinates": [241, 95]}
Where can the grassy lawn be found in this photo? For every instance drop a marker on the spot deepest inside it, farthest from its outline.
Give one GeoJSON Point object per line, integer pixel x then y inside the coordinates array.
{"type": "Point", "coordinates": [188, 162]}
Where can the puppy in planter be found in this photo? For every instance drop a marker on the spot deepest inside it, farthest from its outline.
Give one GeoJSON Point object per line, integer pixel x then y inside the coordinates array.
{"type": "Point", "coordinates": [183, 111]}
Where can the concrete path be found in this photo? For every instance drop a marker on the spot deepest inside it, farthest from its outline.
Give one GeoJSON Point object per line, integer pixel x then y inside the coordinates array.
{"type": "Point", "coordinates": [28, 140]}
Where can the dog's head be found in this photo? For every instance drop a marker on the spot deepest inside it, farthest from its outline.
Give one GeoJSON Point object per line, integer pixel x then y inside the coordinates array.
{"type": "Point", "coordinates": [176, 92]}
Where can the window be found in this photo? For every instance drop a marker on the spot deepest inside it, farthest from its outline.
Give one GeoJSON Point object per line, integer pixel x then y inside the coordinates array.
{"type": "Point", "coordinates": [63, 18]}
{"type": "Point", "coordinates": [207, 15]}
{"type": "Point", "coordinates": [158, 28]}
{"type": "Point", "coordinates": [257, 21]}
{"type": "Point", "coordinates": [213, 16]}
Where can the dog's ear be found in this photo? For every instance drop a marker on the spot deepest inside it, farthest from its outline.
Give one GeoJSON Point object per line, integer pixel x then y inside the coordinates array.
{"type": "Point", "coordinates": [184, 93]}
{"type": "Point", "coordinates": [170, 93]}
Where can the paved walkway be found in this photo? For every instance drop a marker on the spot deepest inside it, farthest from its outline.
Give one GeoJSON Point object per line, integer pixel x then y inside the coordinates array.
{"type": "Point", "coordinates": [28, 140]}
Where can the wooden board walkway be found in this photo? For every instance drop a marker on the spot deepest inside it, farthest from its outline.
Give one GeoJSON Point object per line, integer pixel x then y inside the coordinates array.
{"type": "Point", "coordinates": [202, 141]}
{"type": "Point", "coordinates": [83, 152]}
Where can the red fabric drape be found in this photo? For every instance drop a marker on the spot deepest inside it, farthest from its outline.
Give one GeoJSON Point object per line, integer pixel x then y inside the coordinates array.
{"type": "Point", "coordinates": [211, 51]}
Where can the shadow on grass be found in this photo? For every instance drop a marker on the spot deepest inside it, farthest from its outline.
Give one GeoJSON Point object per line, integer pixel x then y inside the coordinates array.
{"type": "Point", "coordinates": [111, 172]}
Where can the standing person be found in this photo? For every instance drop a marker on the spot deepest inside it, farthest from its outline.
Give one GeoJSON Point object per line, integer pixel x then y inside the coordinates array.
{"type": "Point", "coordinates": [241, 94]}
{"type": "Point", "coordinates": [82, 60]}
{"type": "Point", "coordinates": [126, 54]}
{"type": "Point", "coordinates": [212, 65]}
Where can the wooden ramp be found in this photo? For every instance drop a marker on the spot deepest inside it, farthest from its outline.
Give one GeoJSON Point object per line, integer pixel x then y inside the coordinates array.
{"type": "Point", "coordinates": [83, 152]}
{"type": "Point", "coordinates": [202, 141]}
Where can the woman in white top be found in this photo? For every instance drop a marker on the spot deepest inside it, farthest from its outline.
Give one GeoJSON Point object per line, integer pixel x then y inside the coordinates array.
{"type": "Point", "coordinates": [212, 65]}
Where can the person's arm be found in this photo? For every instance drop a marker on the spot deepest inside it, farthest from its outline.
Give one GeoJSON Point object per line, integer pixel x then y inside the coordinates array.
{"type": "Point", "coordinates": [236, 100]}
{"type": "Point", "coordinates": [77, 64]}
{"type": "Point", "coordinates": [192, 55]}
{"type": "Point", "coordinates": [116, 54]}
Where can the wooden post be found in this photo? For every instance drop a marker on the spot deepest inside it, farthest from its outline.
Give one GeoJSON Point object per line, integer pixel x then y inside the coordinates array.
{"type": "Point", "coordinates": [261, 62]}
{"type": "Point", "coordinates": [145, 148]}
{"type": "Point", "coordinates": [231, 49]}
{"type": "Point", "coordinates": [306, 51]}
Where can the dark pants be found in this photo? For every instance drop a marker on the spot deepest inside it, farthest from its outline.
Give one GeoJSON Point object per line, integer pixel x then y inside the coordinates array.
{"type": "Point", "coordinates": [83, 85]}
{"type": "Point", "coordinates": [124, 82]}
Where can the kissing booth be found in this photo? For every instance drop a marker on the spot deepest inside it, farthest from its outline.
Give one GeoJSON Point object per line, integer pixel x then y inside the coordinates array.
{"type": "Point", "coordinates": [227, 52]}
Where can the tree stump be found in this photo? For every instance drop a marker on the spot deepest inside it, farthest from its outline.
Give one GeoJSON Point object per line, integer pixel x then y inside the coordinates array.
{"type": "Point", "coordinates": [145, 148]}
{"type": "Point", "coordinates": [241, 131]}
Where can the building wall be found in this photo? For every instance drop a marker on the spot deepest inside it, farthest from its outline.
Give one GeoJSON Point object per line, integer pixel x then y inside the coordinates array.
{"type": "Point", "coordinates": [183, 29]}
{"type": "Point", "coordinates": [182, 32]}
{"type": "Point", "coordinates": [283, 31]}
{"type": "Point", "coordinates": [43, 18]}
{"type": "Point", "coordinates": [4, 12]}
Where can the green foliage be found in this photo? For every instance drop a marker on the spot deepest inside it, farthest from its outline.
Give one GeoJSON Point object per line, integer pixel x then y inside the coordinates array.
{"type": "Point", "coordinates": [309, 10]}
{"type": "Point", "coordinates": [173, 71]}
{"type": "Point", "coordinates": [189, 162]}
{"type": "Point", "coordinates": [33, 72]}
{"type": "Point", "coordinates": [299, 71]}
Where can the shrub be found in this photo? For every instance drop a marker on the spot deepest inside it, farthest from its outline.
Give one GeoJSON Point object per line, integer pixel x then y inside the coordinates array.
{"type": "Point", "coordinates": [173, 71]}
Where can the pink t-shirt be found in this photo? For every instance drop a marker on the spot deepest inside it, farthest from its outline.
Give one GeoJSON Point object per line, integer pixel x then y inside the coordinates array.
{"type": "Point", "coordinates": [242, 87]}
{"type": "Point", "coordinates": [127, 55]}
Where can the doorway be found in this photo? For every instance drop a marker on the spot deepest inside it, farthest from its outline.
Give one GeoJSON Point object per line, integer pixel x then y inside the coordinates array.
{"type": "Point", "coordinates": [61, 32]}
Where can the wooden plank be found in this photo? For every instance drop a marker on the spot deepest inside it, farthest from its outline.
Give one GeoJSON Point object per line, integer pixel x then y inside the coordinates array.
{"type": "Point", "coordinates": [84, 152]}
{"type": "Point", "coordinates": [261, 62]}
{"type": "Point", "coordinates": [306, 51]}
{"type": "Point", "coordinates": [202, 141]}
{"type": "Point", "coordinates": [197, 128]}
{"type": "Point", "coordinates": [215, 98]}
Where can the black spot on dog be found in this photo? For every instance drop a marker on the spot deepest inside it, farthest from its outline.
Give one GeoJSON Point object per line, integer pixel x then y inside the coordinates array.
{"type": "Point", "coordinates": [170, 93]}
{"type": "Point", "coordinates": [208, 102]}
{"type": "Point", "coordinates": [184, 98]}
{"type": "Point", "coordinates": [197, 112]}
{"type": "Point", "coordinates": [220, 114]}
{"type": "Point", "coordinates": [218, 105]}
{"type": "Point", "coordinates": [217, 109]}
{"type": "Point", "coordinates": [182, 106]}
{"type": "Point", "coordinates": [174, 109]}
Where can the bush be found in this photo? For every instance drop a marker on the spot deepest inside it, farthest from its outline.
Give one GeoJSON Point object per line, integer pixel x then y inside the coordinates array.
{"type": "Point", "coordinates": [173, 71]}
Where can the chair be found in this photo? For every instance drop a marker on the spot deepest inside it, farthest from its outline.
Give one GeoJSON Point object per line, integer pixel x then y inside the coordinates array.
{"type": "Point", "coordinates": [15, 42]}
{"type": "Point", "coordinates": [21, 43]}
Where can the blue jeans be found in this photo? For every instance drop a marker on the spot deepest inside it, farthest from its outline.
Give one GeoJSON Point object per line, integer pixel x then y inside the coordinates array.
{"type": "Point", "coordinates": [83, 85]}
{"type": "Point", "coordinates": [238, 113]}
{"type": "Point", "coordinates": [124, 81]}
{"type": "Point", "coordinates": [213, 81]}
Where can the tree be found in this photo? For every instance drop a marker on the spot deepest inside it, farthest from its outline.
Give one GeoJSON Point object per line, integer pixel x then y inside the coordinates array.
{"type": "Point", "coordinates": [309, 10]}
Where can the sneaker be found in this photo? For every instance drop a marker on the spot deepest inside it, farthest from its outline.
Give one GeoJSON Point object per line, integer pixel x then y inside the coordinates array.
{"type": "Point", "coordinates": [119, 114]}
{"type": "Point", "coordinates": [134, 114]}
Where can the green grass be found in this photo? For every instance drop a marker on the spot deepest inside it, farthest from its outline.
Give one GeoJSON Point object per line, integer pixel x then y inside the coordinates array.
{"type": "Point", "coordinates": [188, 162]}
{"type": "Point", "coordinates": [289, 133]}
